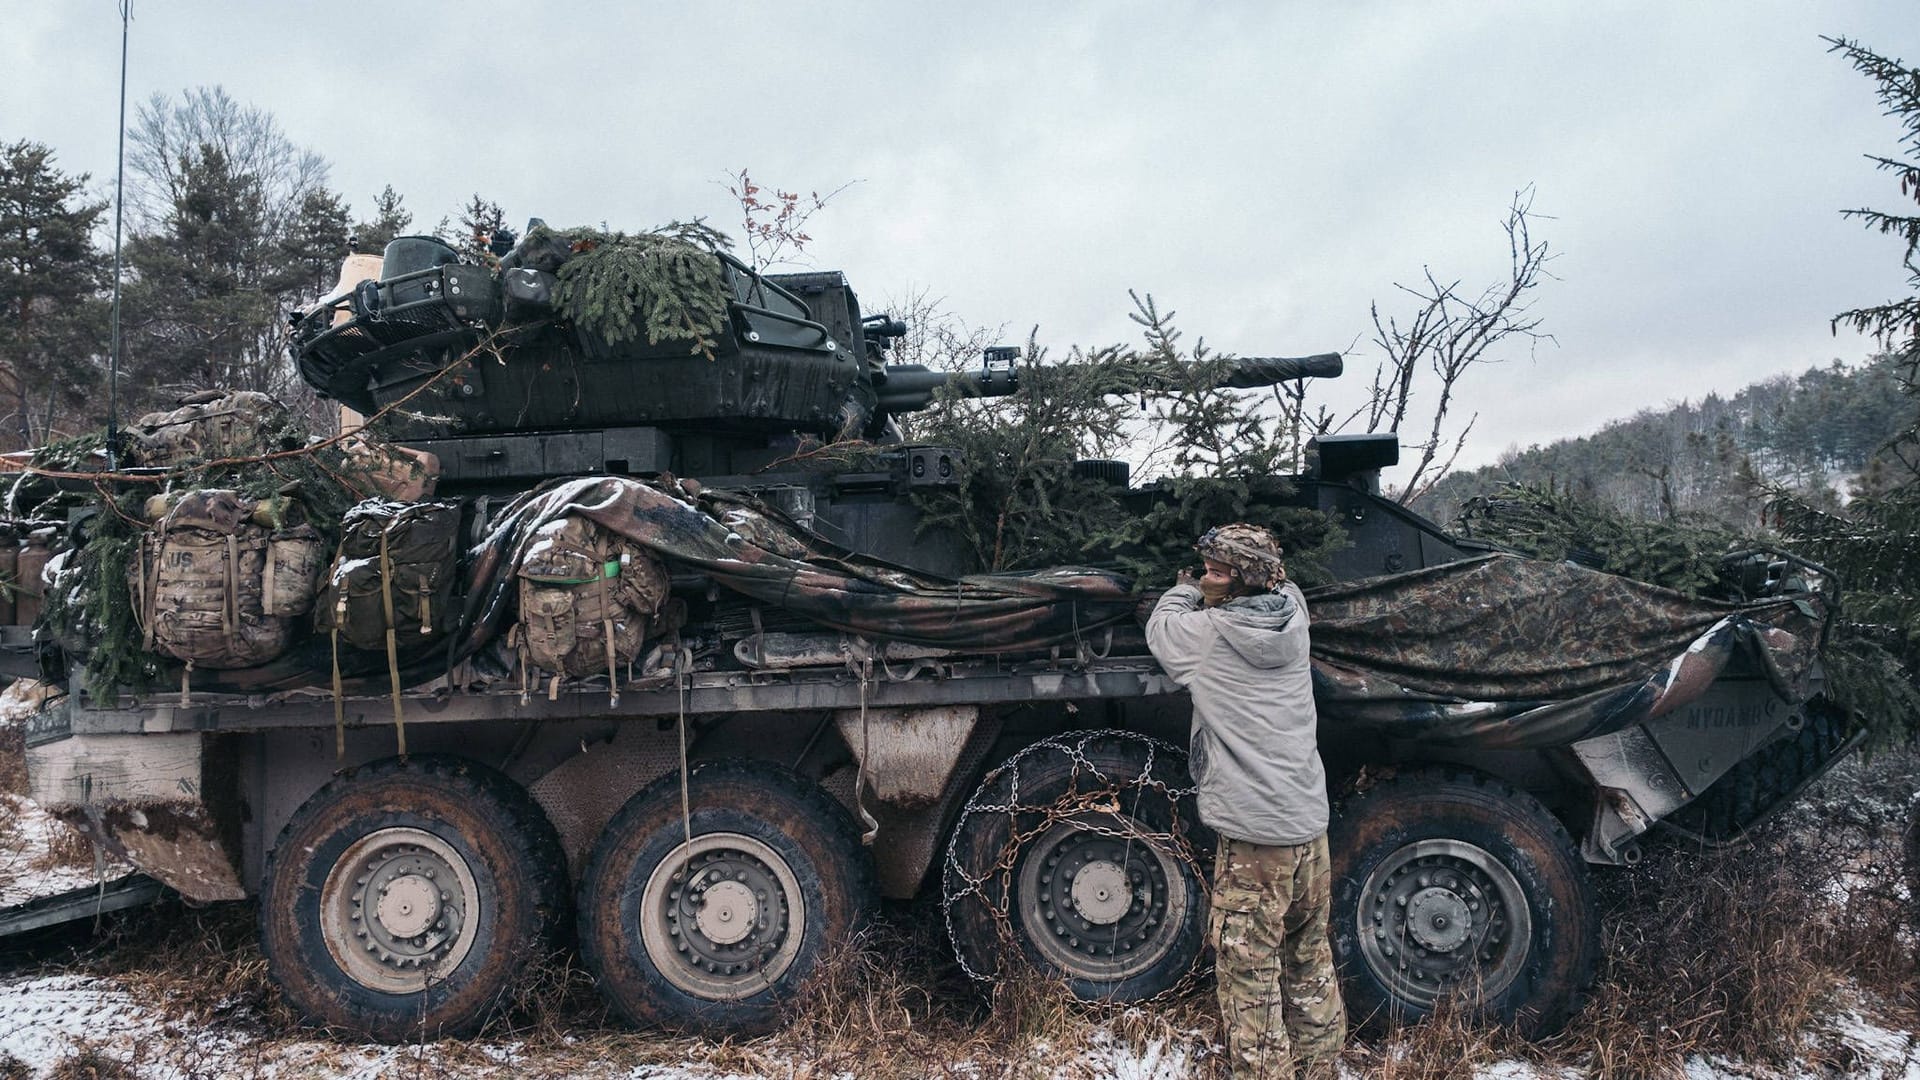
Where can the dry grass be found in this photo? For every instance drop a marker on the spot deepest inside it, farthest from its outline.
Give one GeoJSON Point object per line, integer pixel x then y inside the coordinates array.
{"type": "Point", "coordinates": [1737, 954]}
{"type": "Point", "coordinates": [90, 1061]}
{"type": "Point", "coordinates": [13, 758]}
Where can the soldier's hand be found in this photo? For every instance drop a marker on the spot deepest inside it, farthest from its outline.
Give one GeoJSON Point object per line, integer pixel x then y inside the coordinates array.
{"type": "Point", "coordinates": [1184, 576]}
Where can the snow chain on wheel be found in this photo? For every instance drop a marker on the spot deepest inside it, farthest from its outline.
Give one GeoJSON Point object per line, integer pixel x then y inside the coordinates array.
{"type": "Point", "coordinates": [719, 935]}
{"type": "Point", "coordinates": [1080, 857]}
{"type": "Point", "coordinates": [1457, 885]}
{"type": "Point", "coordinates": [407, 898]}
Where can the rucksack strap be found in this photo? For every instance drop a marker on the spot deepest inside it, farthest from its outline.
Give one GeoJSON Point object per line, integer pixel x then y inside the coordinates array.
{"type": "Point", "coordinates": [393, 646]}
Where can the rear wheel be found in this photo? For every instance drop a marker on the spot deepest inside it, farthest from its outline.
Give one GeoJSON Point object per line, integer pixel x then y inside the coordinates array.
{"type": "Point", "coordinates": [406, 898]}
{"type": "Point", "coordinates": [1078, 857]}
{"type": "Point", "coordinates": [719, 934]}
{"type": "Point", "coordinates": [1460, 886]}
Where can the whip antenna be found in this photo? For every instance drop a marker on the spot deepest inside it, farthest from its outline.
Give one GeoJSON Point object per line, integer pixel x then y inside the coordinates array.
{"type": "Point", "coordinates": [119, 210]}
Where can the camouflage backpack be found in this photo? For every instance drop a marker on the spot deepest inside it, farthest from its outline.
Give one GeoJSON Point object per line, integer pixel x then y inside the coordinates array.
{"type": "Point", "coordinates": [587, 597]}
{"type": "Point", "coordinates": [393, 576]}
{"type": "Point", "coordinates": [217, 586]}
{"type": "Point", "coordinates": [210, 424]}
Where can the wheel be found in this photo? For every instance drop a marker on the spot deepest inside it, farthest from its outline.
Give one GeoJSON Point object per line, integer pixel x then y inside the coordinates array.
{"type": "Point", "coordinates": [1080, 854]}
{"type": "Point", "coordinates": [1457, 883]}
{"type": "Point", "coordinates": [719, 934]}
{"type": "Point", "coordinates": [406, 898]}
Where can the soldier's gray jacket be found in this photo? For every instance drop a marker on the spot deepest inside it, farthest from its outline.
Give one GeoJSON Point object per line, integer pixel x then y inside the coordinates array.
{"type": "Point", "coordinates": [1255, 756]}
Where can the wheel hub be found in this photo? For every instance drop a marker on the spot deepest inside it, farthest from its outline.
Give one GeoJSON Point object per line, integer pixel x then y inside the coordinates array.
{"type": "Point", "coordinates": [1439, 919]}
{"type": "Point", "coordinates": [1101, 893]}
{"type": "Point", "coordinates": [398, 909]}
{"type": "Point", "coordinates": [1438, 915]}
{"type": "Point", "coordinates": [1096, 900]}
{"type": "Point", "coordinates": [723, 917]}
{"type": "Point", "coordinates": [727, 913]}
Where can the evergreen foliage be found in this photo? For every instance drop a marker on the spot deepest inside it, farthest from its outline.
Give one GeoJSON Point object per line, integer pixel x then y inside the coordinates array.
{"type": "Point", "coordinates": [52, 317]}
{"type": "Point", "coordinates": [390, 219]}
{"type": "Point", "coordinates": [1825, 432]}
{"type": "Point", "coordinates": [665, 284]}
{"type": "Point", "coordinates": [1215, 453]}
{"type": "Point", "coordinates": [93, 609]}
{"type": "Point", "coordinates": [1683, 554]}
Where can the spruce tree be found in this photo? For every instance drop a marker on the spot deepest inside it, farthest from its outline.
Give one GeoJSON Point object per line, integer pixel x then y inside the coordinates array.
{"type": "Point", "coordinates": [390, 219]}
{"type": "Point", "coordinates": [53, 326]}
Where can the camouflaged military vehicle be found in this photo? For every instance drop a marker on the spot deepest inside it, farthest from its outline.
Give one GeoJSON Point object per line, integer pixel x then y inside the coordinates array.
{"type": "Point", "coordinates": [697, 707]}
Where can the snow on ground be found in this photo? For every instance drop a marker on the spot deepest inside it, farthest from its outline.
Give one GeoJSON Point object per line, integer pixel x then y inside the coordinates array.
{"type": "Point", "coordinates": [28, 866]}
{"type": "Point", "coordinates": [45, 1020]}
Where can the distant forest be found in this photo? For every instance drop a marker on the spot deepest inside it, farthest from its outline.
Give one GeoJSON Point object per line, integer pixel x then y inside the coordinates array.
{"type": "Point", "coordinates": [1821, 434]}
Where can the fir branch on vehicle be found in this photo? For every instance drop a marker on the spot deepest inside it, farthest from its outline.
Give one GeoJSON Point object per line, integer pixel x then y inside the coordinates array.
{"type": "Point", "coordinates": [666, 285]}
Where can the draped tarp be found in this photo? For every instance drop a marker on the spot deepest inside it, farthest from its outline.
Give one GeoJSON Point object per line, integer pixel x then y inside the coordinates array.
{"type": "Point", "coordinates": [1503, 651]}
{"type": "Point", "coordinates": [753, 550]}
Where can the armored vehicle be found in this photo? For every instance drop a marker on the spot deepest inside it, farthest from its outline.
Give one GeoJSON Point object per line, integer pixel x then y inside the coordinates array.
{"type": "Point", "coordinates": [825, 707]}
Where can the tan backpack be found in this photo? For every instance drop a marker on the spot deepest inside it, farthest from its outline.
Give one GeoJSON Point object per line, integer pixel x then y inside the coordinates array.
{"type": "Point", "coordinates": [587, 598]}
{"type": "Point", "coordinates": [208, 425]}
{"type": "Point", "coordinates": [217, 586]}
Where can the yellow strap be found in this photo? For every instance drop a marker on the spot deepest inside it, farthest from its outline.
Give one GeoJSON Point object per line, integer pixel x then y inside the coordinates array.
{"type": "Point", "coordinates": [426, 609]}
{"type": "Point", "coordinates": [186, 685]}
{"type": "Point", "coordinates": [393, 646]}
{"type": "Point", "coordinates": [339, 706]}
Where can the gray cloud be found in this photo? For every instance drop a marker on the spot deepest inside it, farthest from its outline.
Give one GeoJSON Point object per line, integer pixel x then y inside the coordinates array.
{"type": "Point", "coordinates": [1266, 168]}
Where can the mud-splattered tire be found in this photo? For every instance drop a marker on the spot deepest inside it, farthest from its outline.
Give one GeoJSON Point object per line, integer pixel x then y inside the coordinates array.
{"type": "Point", "coordinates": [406, 898]}
{"type": "Point", "coordinates": [1081, 899]}
{"type": "Point", "coordinates": [720, 935]}
{"type": "Point", "coordinates": [1459, 884]}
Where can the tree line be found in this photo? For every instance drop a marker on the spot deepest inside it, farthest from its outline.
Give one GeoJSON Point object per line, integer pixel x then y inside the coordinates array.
{"type": "Point", "coordinates": [231, 225]}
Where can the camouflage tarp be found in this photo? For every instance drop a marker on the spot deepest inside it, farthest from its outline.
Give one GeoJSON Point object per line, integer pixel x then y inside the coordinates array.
{"type": "Point", "coordinates": [753, 550]}
{"type": "Point", "coordinates": [1507, 651]}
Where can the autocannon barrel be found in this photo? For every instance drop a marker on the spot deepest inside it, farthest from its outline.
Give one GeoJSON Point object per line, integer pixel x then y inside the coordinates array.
{"type": "Point", "coordinates": [910, 387]}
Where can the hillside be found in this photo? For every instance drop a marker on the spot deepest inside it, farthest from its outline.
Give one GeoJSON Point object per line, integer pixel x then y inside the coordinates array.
{"type": "Point", "coordinates": [1819, 432]}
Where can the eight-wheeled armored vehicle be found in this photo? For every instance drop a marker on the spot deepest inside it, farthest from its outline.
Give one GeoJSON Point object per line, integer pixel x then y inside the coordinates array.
{"type": "Point", "coordinates": [824, 706]}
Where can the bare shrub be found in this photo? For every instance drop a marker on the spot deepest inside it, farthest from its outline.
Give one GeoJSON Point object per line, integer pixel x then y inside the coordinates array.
{"type": "Point", "coordinates": [91, 1062]}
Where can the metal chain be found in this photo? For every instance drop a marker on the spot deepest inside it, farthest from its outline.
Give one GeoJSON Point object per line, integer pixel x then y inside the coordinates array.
{"type": "Point", "coordinates": [1093, 803]}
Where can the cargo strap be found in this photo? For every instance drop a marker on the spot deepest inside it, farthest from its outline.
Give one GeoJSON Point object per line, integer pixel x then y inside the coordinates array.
{"type": "Point", "coordinates": [862, 666]}
{"type": "Point", "coordinates": [230, 611]}
{"type": "Point", "coordinates": [682, 662]}
{"type": "Point", "coordinates": [393, 646]}
{"type": "Point", "coordinates": [606, 630]}
{"type": "Point", "coordinates": [339, 705]}
{"type": "Point", "coordinates": [155, 546]}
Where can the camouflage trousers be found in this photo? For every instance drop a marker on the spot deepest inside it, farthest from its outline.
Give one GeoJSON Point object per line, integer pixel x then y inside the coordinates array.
{"type": "Point", "coordinates": [1279, 997]}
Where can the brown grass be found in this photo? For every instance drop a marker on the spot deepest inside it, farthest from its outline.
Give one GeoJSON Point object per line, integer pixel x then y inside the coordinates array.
{"type": "Point", "coordinates": [1737, 953]}
{"type": "Point", "coordinates": [13, 758]}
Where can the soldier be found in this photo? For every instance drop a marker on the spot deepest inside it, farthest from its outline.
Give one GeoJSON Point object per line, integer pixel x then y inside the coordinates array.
{"type": "Point", "coordinates": [1237, 640]}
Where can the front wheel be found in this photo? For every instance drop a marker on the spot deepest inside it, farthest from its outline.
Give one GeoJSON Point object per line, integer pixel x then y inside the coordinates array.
{"type": "Point", "coordinates": [719, 933]}
{"type": "Point", "coordinates": [1460, 886]}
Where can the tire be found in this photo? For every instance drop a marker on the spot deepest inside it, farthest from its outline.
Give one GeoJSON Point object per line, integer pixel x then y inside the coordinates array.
{"type": "Point", "coordinates": [1506, 910]}
{"type": "Point", "coordinates": [781, 882]}
{"type": "Point", "coordinates": [415, 964]}
{"type": "Point", "coordinates": [1114, 810]}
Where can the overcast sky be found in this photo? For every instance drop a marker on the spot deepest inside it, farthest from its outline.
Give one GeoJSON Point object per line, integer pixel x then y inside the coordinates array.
{"type": "Point", "coordinates": [1267, 169]}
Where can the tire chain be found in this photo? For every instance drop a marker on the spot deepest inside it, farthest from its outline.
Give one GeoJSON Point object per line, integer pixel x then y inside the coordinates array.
{"type": "Point", "coordinates": [1103, 800]}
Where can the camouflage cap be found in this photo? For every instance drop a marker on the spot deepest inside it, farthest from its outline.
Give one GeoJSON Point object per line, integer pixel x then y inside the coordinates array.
{"type": "Point", "coordinates": [1249, 549]}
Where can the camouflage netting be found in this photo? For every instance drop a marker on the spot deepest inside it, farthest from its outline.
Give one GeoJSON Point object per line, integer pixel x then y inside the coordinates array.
{"type": "Point", "coordinates": [1515, 652]}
